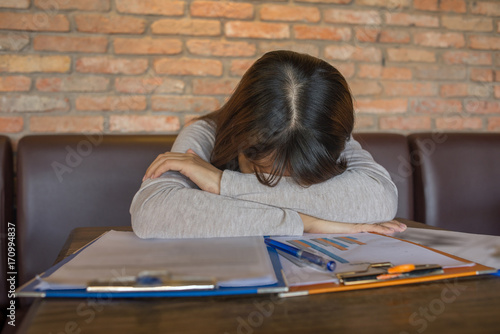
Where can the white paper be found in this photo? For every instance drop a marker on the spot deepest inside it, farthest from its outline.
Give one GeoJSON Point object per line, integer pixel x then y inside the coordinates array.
{"type": "Point", "coordinates": [480, 248]}
{"type": "Point", "coordinates": [242, 261]}
{"type": "Point", "coordinates": [357, 257]}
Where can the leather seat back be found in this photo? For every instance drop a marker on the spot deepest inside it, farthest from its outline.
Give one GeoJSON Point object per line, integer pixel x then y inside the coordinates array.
{"type": "Point", "coordinates": [457, 180]}
{"type": "Point", "coordinates": [392, 152]}
{"type": "Point", "coordinates": [69, 181]}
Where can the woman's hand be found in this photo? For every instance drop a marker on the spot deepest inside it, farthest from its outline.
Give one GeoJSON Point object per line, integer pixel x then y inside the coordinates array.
{"type": "Point", "coordinates": [315, 225]}
{"type": "Point", "coordinates": [189, 164]}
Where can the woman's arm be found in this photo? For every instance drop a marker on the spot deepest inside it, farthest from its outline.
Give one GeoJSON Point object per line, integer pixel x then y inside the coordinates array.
{"type": "Point", "coordinates": [172, 206]}
{"type": "Point", "coordinates": [364, 193]}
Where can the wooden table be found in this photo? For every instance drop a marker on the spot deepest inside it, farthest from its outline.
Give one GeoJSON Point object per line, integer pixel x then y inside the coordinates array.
{"type": "Point", "coordinates": [469, 305]}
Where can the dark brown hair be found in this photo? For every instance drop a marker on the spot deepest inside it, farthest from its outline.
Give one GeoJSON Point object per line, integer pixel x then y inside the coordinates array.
{"type": "Point", "coordinates": [291, 113]}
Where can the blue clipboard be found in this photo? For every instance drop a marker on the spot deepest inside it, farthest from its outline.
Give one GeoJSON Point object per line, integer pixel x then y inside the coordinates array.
{"type": "Point", "coordinates": [29, 289]}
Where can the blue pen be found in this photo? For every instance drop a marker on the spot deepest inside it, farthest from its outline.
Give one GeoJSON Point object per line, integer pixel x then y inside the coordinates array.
{"type": "Point", "coordinates": [302, 255]}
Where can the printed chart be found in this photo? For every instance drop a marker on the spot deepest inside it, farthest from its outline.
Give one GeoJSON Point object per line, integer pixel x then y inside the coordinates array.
{"type": "Point", "coordinates": [354, 253]}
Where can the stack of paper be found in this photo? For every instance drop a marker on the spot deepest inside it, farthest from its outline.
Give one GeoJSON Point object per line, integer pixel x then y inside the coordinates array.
{"type": "Point", "coordinates": [233, 262]}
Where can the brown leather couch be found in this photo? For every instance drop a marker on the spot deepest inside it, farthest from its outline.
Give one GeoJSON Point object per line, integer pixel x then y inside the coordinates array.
{"type": "Point", "coordinates": [449, 180]}
{"type": "Point", "coordinates": [68, 181]}
{"type": "Point", "coordinates": [457, 180]}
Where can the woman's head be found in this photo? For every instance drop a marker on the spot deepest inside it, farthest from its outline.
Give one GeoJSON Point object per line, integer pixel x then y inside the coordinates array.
{"type": "Point", "coordinates": [291, 114]}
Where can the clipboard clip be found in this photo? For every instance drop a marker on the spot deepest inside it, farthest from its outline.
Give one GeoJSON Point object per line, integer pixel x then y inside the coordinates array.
{"type": "Point", "coordinates": [150, 281]}
{"type": "Point", "coordinates": [384, 271]}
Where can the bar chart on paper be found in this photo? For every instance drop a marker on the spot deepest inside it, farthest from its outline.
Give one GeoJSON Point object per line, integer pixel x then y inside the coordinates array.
{"type": "Point", "coordinates": [353, 253]}
{"type": "Point", "coordinates": [323, 245]}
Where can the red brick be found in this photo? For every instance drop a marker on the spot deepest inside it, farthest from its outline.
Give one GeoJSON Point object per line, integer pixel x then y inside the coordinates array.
{"type": "Point", "coordinates": [396, 73]}
{"type": "Point", "coordinates": [481, 74]}
{"type": "Point", "coordinates": [364, 87]}
{"type": "Point", "coordinates": [467, 57]}
{"type": "Point", "coordinates": [478, 90]}
{"type": "Point", "coordinates": [149, 85]}
{"type": "Point", "coordinates": [186, 66]}
{"type": "Point", "coordinates": [324, 33]}
{"type": "Point", "coordinates": [147, 45]}
{"type": "Point", "coordinates": [440, 72]}
{"type": "Point", "coordinates": [436, 106]}
{"type": "Point", "coordinates": [40, 21]}
{"type": "Point", "coordinates": [457, 6]}
{"type": "Point", "coordinates": [214, 86]}
{"type": "Point", "coordinates": [367, 17]}
{"type": "Point", "coordinates": [91, 5]}
{"type": "Point", "coordinates": [19, 4]}
{"type": "Point", "coordinates": [454, 90]}
{"type": "Point", "coordinates": [257, 30]}
{"type": "Point", "coordinates": [232, 10]}
{"type": "Point", "coordinates": [381, 106]}
{"type": "Point", "coordinates": [34, 63]}
{"type": "Point", "coordinates": [135, 123]}
{"type": "Point", "coordinates": [439, 40]}
{"type": "Point", "coordinates": [151, 7]}
{"type": "Point", "coordinates": [482, 107]}
{"type": "Point", "coordinates": [184, 103]}
{"type": "Point", "coordinates": [70, 44]}
{"type": "Point", "coordinates": [13, 41]}
{"type": "Point", "coordinates": [239, 67]}
{"type": "Point", "coordinates": [220, 48]}
{"type": "Point", "coordinates": [349, 52]}
{"type": "Point", "coordinates": [11, 124]}
{"type": "Point", "coordinates": [369, 71]}
{"type": "Point", "coordinates": [497, 75]}
{"type": "Point", "coordinates": [484, 42]}
{"type": "Point", "coordinates": [409, 123]}
{"type": "Point", "coordinates": [186, 27]}
{"type": "Point", "coordinates": [411, 55]}
{"type": "Point", "coordinates": [342, 2]}
{"type": "Point", "coordinates": [408, 89]}
{"type": "Point", "coordinates": [364, 122]}
{"type": "Point", "coordinates": [289, 13]}
{"type": "Point", "coordinates": [467, 23]}
{"type": "Point", "coordinates": [346, 69]}
{"type": "Point", "coordinates": [32, 103]}
{"type": "Point", "coordinates": [393, 4]}
{"type": "Point", "coordinates": [110, 103]}
{"type": "Point", "coordinates": [459, 123]}
{"type": "Point", "coordinates": [497, 92]}
{"type": "Point", "coordinates": [15, 84]}
{"type": "Point", "coordinates": [111, 65]}
{"type": "Point", "coordinates": [310, 49]}
{"type": "Point", "coordinates": [489, 8]}
{"type": "Point", "coordinates": [394, 36]}
{"type": "Point", "coordinates": [426, 4]}
{"type": "Point", "coordinates": [109, 24]}
{"type": "Point", "coordinates": [72, 84]}
{"type": "Point", "coordinates": [404, 19]}
{"type": "Point", "coordinates": [66, 124]}
{"type": "Point", "coordinates": [367, 34]}
{"type": "Point", "coordinates": [494, 124]}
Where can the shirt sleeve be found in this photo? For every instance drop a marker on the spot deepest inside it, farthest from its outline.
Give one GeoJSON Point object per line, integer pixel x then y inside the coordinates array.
{"type": "Point", "coordinates": [364, 193]}
{"type": "Point", "coordinates": [172, 206]}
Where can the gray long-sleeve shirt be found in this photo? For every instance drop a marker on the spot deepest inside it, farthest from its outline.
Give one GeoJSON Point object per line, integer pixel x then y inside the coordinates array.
{"type": "Point", "coordinates": [172, 206]}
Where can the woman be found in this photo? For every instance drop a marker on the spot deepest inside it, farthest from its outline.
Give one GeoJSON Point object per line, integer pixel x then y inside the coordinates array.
{"type": "Point", "coordinates": [277, 159]}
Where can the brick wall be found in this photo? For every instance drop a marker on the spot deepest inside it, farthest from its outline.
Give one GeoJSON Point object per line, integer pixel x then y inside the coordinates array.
{"type": "Point", "coordinates": [141, 66]}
